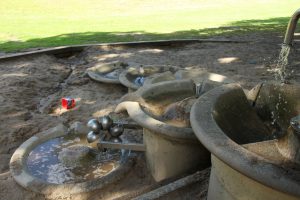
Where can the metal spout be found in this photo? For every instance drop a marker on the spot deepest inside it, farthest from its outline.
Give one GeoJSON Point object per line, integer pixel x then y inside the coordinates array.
{"type": "Point", "coordinates": [289, 35]}
{"type": "Point", "coordinates": [295, 124]}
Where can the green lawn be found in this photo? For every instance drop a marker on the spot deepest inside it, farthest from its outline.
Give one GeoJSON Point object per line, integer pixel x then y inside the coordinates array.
{"type": "Point", "coordinates": [44, 23]}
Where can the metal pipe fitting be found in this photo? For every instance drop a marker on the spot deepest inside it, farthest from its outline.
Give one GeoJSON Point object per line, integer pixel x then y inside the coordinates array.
{"type": "Point", "coordinates": [289, 35]}
{"type": "Point", "coordinates": [295, 124]}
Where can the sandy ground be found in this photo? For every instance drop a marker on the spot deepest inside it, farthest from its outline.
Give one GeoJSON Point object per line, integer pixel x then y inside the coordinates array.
{"type": "Point", "coordinates": [31, 87]}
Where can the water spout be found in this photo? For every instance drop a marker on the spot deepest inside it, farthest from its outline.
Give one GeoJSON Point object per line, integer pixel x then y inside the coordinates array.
{"type": "Point", "coordinates": [295, 124]}
{"type": "Point", "coordinates": [289, 35]}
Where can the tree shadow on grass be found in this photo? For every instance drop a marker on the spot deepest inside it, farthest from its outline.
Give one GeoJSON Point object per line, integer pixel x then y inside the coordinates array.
{"type": "Point", "coordinates": [277, 25]}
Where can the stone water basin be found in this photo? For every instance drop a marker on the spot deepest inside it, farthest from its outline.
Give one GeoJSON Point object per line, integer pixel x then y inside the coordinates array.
{"type": "Point", "coordinates": [134, 77]}
{"type": "Point", "coordinates": [56, 162]}
{"type": "Point", "coordinates": [162, 109]}
{"type": "Point", "coordinates": [254, 148]}
{"type": "Point", "coordinates": [107, 73]}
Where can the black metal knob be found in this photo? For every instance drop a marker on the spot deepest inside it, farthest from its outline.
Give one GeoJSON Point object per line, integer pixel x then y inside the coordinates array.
{"type": "Point", "coordinates": [94, 125]}
{"type": "Point", "coordinates": [106, 122]}
{"type": "Point", "coordinates": [92, 137]}
{"type": "Point", "coordinates": [116, 130]}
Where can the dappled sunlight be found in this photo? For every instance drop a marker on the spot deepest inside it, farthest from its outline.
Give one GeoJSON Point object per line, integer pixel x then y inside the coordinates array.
{"type": "Point", "coordinates": [104, 111]}
{"type": "Point", "coordinates": [107, 56]}
{"type": "Point", "coordinates": [227, 60]}
{"type": "Point", "coordinates": [20, 125]}
{"type": "Point", "coordinates": [4, 175]}
{"type": "Point", "coordinates": [17, 114]}
{"type": "Point", "coordinates": [126, 55]}
{"type": "Point", "coordinates": [88, 102]}
{"type": "Point", "coordinates": [15, 75]}
{"type": "Point", "coordinates": [150, 51]}
{"type": "Point", "coordinates": [260, 67]}
{"type": "Point", "coordinates": [217, 77]}
{"type": "Point", "coordinates": [188, 68]}
{"type": "Point", "coordinates": [111, 56]}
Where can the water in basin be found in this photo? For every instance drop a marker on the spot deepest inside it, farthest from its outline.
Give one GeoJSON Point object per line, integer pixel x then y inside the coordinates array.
{"type": "Point", "coordinates": [178, 113]}
{"type": "Point", "coordinates": [70, 159]}
{"type": "Point", "coordinates": [113, 74]}
{"type": "Point", "coordinates": [266, 125]}
{"type": "Point", "coordinates": [139, 80]}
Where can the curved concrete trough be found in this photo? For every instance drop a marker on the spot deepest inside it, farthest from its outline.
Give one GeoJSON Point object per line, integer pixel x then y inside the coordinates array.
{"type": "Point", "coordinates": [107, 73]}
{"type": "Point", "coordinates": [254, 148]}
{"type": "Point", "coordinates": [134, 77]}
{"type": "Point", "coordinates": [162, 109]}
{"type": "Point", "coordinates": [20, 170]}
{"type": "Point", "coordinates": [196, 75]}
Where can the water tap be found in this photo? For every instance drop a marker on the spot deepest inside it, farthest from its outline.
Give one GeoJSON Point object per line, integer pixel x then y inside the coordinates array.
{"type": "Point", "coordinates": [295, 124]}
{"type": "Point", "coordinates": [289, 35]}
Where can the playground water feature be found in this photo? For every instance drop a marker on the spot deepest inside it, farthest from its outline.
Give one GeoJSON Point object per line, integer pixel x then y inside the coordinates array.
{"type": "Point", "coordinates": [282, 73]}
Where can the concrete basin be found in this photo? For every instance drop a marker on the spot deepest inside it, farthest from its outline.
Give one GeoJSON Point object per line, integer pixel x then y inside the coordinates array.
{"type": "Point", "coordinates": [134, 77]}
{"type": "Point", "coordinates": [254, 149]}
{"type": "Point", "coordinates": [54, 162]}
{"type": "Point", "coordinates": [107, 73]}
{"type": "Point", "coordinates": [163, 110]}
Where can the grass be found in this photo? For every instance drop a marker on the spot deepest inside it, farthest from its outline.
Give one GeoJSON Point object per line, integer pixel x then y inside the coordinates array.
{"type": "Point", "coordinates": [45, 23]}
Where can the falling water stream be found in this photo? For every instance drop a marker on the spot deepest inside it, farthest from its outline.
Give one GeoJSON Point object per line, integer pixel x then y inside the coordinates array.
{"type": "Point", "coordinates": [282, 63]}
{"type": "Point", "coordinates": [281, 74]}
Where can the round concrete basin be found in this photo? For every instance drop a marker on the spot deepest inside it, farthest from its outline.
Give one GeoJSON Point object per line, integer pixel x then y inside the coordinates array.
{"type": "Point", "coordinates": [163, 110]}
{"type": "Point", "coordinates": [107, 73]}
{"type": "Point", "coordinates": [54, 162]}
{"type": "Point", "coordinates": [134, 77]}
{"type": "Point", "coordinates": [254, 148]}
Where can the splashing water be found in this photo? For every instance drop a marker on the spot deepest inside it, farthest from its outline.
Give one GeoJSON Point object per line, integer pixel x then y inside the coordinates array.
{"type": "Point", "coordinates": [280, 76]}
{"type": "Point", "coordinates": [282, 63]}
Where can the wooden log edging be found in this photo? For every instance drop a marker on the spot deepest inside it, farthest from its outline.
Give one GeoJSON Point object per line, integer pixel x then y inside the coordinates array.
{"type": "Point", "coordinates": [78, 48]}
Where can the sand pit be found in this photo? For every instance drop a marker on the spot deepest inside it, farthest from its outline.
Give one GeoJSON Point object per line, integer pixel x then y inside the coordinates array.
{"type": "Point", "coordinates": [31, 89]}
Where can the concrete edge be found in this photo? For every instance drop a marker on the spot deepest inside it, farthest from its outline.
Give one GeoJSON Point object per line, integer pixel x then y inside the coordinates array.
{"type": "Point", "coordinates": [21, 175]}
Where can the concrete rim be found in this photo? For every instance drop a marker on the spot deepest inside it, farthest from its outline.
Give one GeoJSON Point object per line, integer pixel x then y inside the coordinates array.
{"type": "Point", "coordinates": [137, 114]}
{"type": "Point", "coordinates": [234, 155]}
{"type": "Point", "coordinates": [100, 77]}
{"type": "Point", "coordinates": [21, 175]}
{"type": "Point", "coordinates": [135, 111]}
{"type": "Point", "coordinates": [160, 77]}
{"type": "Point", "coordinates": [124, 80]}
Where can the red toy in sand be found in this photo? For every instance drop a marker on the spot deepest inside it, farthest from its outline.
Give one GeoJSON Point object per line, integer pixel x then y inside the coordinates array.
{"type": "Point", "coordinates": [68, 102]}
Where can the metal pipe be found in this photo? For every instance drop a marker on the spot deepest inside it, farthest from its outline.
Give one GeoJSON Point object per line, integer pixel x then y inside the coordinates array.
{"type": "Point", "coordinates": [131, 125]}
{"type": "Point", "coordinates": [295, 124]}
{"type": "Point", "coordinates": [113, 145]}
{"type": "Point", "coordinates": [199, 176]}
{"type": "Point", "coordinates": [289, 35]}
